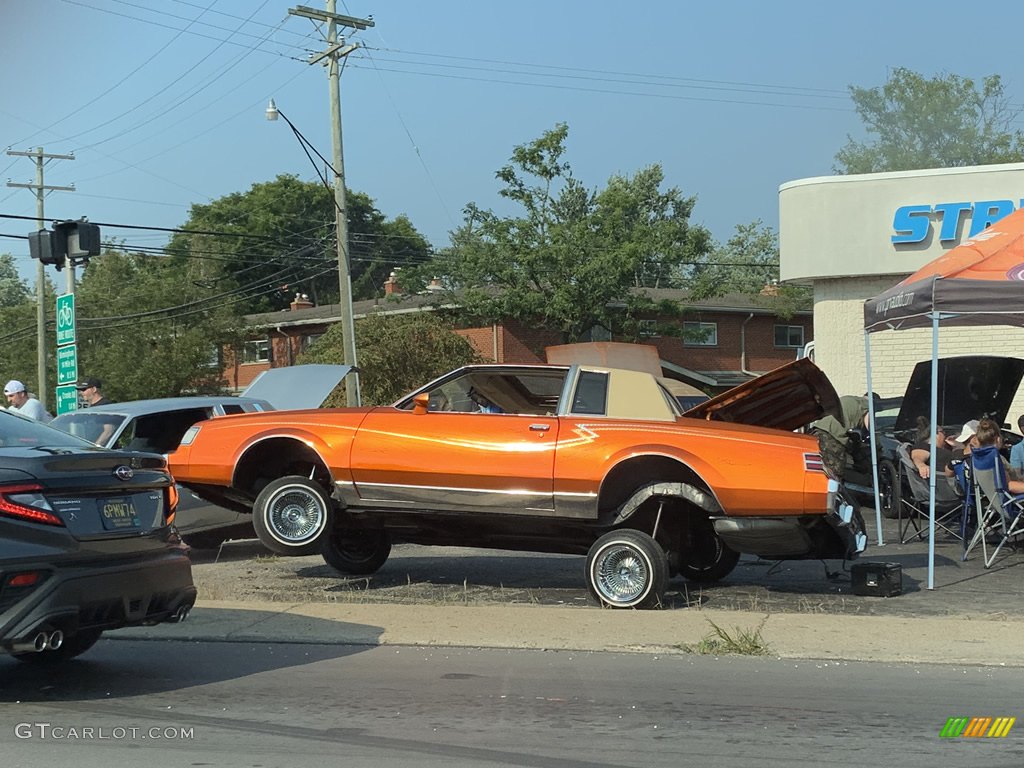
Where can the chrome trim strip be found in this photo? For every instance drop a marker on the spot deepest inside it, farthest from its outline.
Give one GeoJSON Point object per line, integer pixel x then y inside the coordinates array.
{"type": "Point", "coordinates": [452, 499]}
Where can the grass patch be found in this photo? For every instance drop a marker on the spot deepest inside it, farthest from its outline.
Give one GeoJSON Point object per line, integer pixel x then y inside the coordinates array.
{"type": "Point", "coordinates": [740, 642]}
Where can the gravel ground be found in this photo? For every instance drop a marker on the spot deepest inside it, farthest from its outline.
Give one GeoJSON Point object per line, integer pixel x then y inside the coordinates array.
{"type": "Point", "coordinates": [245, 571]}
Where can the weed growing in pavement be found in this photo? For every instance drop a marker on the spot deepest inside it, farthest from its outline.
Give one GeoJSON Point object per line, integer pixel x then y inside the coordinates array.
{"type": "Point", "coordinates": [743, 642]}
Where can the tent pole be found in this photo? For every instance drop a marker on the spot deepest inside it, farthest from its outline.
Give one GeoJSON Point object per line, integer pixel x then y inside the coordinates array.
{"type": "Point", "coordinates": [933, 469]}
{"type": "Point", "coordinates": [874, 440]}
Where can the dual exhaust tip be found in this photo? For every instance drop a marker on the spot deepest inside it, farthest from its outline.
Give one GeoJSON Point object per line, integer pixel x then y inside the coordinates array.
{"type": "Point", "coordinates": [52, 641]}
{"type": "Point", "coordinates": [42, 641]}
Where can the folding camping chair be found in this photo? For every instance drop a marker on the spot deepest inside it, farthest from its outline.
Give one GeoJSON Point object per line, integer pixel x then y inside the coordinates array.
{"type": "Point", "coordinates": [914, 497]}
{"type": "Point", "coordinates": [999, 512]}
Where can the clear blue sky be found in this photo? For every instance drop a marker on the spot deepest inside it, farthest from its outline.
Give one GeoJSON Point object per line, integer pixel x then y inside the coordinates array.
{"type": "Point", "coordinates": [162, 101]}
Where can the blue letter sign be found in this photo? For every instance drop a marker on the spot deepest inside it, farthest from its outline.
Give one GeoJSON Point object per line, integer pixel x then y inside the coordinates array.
{"type": "Point", "coordinates": [912, 223]}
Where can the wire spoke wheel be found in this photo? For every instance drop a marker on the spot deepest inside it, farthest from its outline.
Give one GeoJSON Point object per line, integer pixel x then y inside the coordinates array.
{"type": "Point", "coordinates": [627, 569]}
{"type": "Point", "coordinates": [291, 516]}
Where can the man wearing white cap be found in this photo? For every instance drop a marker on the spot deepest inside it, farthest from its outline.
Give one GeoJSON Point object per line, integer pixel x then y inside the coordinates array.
{"type": "Point", "coordinates": [19, 400]}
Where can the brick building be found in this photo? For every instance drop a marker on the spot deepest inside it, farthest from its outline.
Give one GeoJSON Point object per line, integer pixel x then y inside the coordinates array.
{"type": "Point", "coordinates": [734, 337]}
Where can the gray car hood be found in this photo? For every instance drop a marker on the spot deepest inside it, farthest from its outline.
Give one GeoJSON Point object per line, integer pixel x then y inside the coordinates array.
{"type": "Point", "coordinates": [297, 387]}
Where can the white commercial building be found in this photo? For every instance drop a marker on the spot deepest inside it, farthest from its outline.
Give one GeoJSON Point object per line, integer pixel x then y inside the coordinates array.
{"type": "Point", "coordinates": [852, 237]}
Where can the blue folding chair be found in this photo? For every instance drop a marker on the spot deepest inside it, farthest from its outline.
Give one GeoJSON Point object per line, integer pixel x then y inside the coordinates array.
{"type": "Point", "coordinates": [1000, 514]}
{"type": "Point", "coordinates": [965, 484]}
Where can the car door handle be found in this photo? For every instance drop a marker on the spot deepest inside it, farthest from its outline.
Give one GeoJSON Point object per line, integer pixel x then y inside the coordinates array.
{"type": "Point", "coordinates": [540, 427]}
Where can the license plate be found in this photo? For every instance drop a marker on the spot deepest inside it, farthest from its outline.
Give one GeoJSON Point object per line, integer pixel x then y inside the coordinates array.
{"type": "Point", "coordinates": [118, 514]}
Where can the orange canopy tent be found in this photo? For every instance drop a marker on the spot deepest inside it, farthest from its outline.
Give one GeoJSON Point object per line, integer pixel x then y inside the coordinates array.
{"type": "Point", "coordinates": [980, 282]}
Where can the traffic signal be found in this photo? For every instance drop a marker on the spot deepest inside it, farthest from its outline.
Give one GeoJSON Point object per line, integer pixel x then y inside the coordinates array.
{"type": "Point", "coordinates": [47, 246]}
{"type": "Point", "coordinates": [74, 240]}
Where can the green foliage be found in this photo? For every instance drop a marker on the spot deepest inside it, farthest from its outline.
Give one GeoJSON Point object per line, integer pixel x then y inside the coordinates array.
{"type": "Point", "coordinates": [396, 353]}
{"type": "Point", "coordinates": [569, 260]}
{"type": "Point", "coordinates": [281, 241]}
{"type": "Point", "coordinates": [742, 642]}
{"type": "Point", "coordinates": [129, 338]}
{"type": "Point", "coordinates": [942, 122]}
{"type": "Point", "coordinates": [18, 351]}
{"type": "Point", "coordinates": [13, 290]}
{"type": "Point", "coordinates": [748, 264]}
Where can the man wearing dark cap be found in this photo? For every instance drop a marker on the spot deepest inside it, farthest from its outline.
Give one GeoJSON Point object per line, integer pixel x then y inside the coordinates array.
{"type": "Point", "coordinates": [91, 394]}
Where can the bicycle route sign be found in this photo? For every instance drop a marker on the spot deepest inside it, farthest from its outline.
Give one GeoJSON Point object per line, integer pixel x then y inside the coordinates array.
{"type": "Point", "coordinates": [66, 319]}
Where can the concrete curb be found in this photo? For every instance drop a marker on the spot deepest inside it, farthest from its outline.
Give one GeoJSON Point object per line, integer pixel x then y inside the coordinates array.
{"type": "Point", "coordinates": [982, 640]}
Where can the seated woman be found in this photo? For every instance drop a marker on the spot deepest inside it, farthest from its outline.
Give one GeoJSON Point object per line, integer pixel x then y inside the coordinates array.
{"type": "Point", "coordinates": [989, 434]}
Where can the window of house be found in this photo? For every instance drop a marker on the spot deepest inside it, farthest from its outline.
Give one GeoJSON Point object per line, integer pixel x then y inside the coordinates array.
{"type": "Point", "coordinates": [215, 360]}
{"type": "Point", "coordinates": [649, 328]}
{"type": "Point", "coordinates": [256, 351]}
{"type": "Point", "coordinates": [309, 340]}
{"type": "Point", "coordinates": [700, 334]}
{"type": "Point", "coordinates": [789, 336]}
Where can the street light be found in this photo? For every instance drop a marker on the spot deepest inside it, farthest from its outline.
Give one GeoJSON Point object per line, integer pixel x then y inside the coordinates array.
{"type": "Point", "coordinates": [352, 397]}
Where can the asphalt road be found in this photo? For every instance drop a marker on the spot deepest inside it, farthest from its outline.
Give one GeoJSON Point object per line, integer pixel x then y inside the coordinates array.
{"type": "Point", "coordinates": [266, 705]}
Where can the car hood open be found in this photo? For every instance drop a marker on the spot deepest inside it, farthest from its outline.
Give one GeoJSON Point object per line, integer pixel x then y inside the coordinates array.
{"type": "Point", "coordinates": [297, 387]}
{"type": "Point", "coordinates": [969, 388]}
{"type": "Point", "coordinates": [789, 397]}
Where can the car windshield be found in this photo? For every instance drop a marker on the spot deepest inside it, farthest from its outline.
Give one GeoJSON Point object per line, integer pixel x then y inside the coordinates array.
{"type": "Point", "coordinates": [89, 426]}
{"type": "Point", "coordinates": [21, 432]}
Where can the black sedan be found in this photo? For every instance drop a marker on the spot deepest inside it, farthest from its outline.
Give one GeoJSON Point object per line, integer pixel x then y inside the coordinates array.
{"type": "Point", "coordinates": [86, 542]}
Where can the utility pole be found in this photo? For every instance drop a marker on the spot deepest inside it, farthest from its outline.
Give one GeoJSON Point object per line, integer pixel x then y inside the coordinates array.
{"type": "Point", "coordinates": [335, 51]}
{"type": "Point", "coordinates": [41, 189]}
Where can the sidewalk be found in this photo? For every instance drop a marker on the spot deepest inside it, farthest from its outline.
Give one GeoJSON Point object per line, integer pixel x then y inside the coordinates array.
{"type": "Point", "coordinates": [973, 616]}
{"type": "Point", "coordinates": [788, 635]}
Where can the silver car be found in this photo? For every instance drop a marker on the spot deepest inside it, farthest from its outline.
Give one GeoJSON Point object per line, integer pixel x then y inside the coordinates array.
{"type": "Point", "coordinates": [157, 426]}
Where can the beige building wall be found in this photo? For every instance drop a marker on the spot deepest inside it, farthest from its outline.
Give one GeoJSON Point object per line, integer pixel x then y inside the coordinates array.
{"type": "Point", "coordinates": [836, 233]}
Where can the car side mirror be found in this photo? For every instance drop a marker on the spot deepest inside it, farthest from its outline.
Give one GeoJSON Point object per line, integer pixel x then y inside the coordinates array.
{"type": "Point", "coordinates": [420, 404]}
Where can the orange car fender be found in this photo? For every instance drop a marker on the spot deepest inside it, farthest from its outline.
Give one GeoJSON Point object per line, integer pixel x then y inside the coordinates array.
{"type": "Point", "coordinates": [705, 470]}
{"type": "Point", "coordinates": [765, 479]}
{"type": "Point", "coordinates": [332, 447]}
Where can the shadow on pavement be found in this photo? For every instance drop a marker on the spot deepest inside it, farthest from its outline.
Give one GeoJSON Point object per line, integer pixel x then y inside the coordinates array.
{"type": "Point", "coordinates": [156, 659]}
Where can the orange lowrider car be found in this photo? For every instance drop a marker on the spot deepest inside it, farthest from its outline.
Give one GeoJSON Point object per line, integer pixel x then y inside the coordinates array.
{"type": "Point", "coordinates": [571, 459]}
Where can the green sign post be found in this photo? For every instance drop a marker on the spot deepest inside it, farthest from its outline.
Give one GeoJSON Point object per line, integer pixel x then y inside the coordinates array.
{"type": "Point", "coordinates": [67, 399]}
{"type": "Point", "coordinates": [67, 355]}
{"type": "Point", "coordinates": [66, 319]}
{"type": "Point", "coordinates": [67, 364]}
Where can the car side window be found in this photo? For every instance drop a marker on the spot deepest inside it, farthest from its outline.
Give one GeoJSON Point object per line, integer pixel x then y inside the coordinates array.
{"type": "Point", "coordinates": [160, 432]}
{"type": "Point", "coordinates": [591, 396]}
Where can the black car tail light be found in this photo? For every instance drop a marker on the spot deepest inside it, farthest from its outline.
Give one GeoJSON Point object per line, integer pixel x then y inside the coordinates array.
{"type": "Point", "coordinates": [26, 502]}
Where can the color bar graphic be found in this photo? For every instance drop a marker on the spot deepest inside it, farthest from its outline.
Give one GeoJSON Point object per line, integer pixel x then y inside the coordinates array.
{"type": "Point", "coordinates": [977, 727]}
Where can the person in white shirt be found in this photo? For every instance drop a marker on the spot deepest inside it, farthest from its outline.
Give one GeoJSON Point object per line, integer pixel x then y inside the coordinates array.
{"type": "Point", "coordinates": [18, 399]}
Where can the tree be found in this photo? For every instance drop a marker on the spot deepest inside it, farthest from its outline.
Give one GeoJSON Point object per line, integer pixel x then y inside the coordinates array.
{"type": "Point", "coordinates": [396, 353]}
{"type": "Point", "coordinates": [147, 329]}
{"type": "Point", "coordinates": [748, 264]}
{"type": "Point", "coordinates": [278, 239]}
{"type": "Point", "coordinates": [942, 122]}
{"type": "Point", "coordinates": [13, 290]}
{"type": "Point", "coordinates": [18, 351]}
{"type": "Point", "coordinates": [572, 257]}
